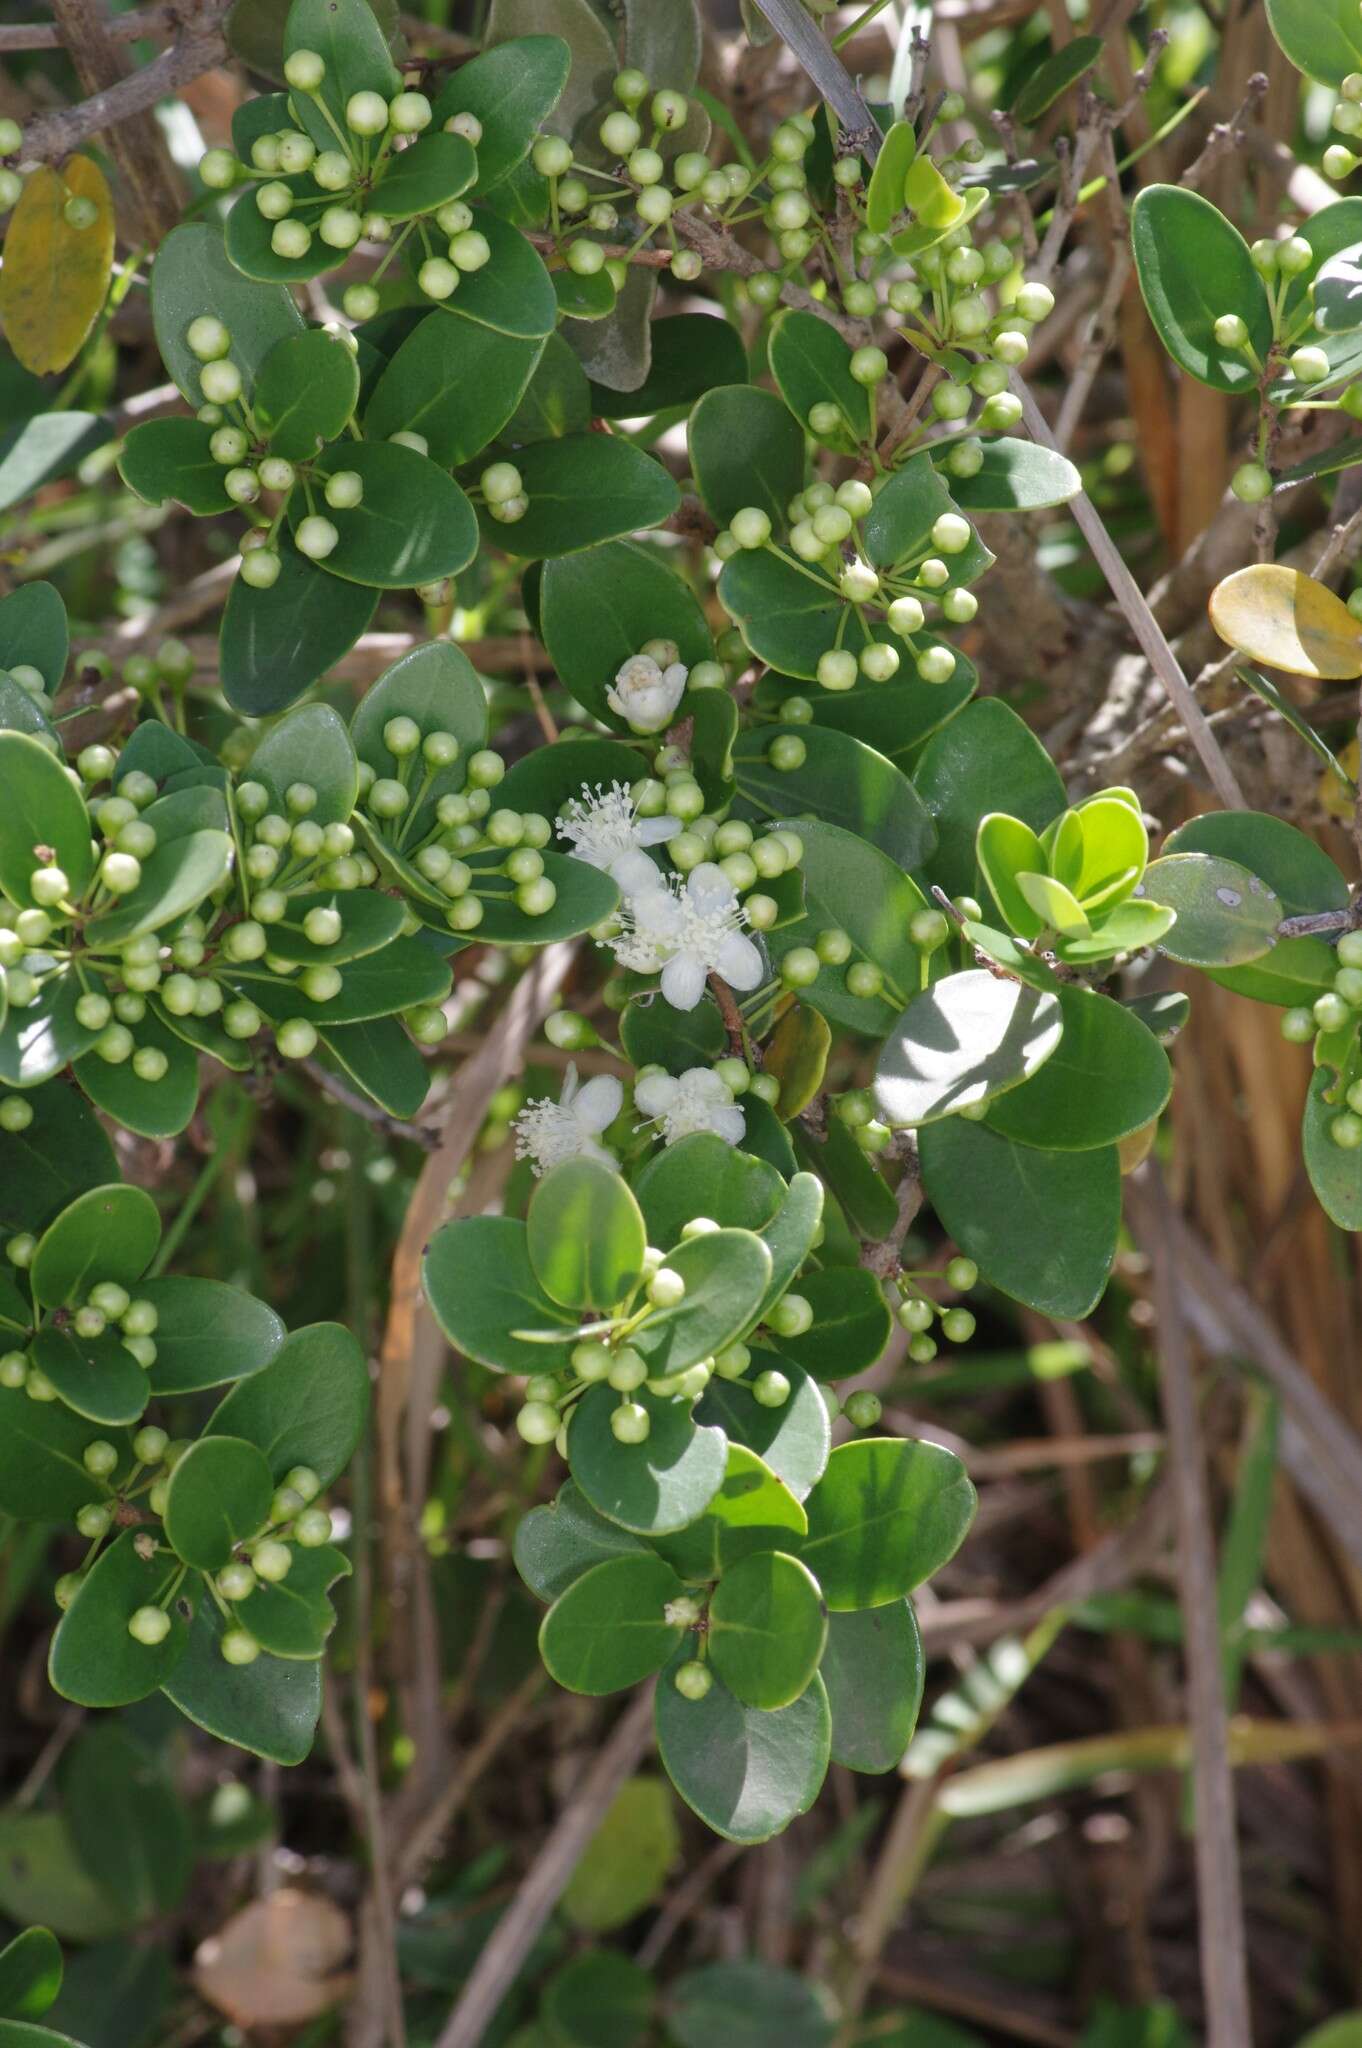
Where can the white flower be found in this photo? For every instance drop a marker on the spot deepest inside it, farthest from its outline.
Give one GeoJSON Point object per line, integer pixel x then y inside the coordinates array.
{"type": "Point", "coordinates": [689, 932]}
{"type": "Point", "coordinates": [645, 695]}
{"type": "Point", "coordinates": [695, 1101]}
{"type": "Point", "coordinates": [550, 1132]}
{"type": "Point", "coordinates": [607, 832]}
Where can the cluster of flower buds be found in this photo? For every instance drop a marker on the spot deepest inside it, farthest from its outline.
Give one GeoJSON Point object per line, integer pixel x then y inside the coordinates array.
{"type": "Point", "coordinates": [1332, 1024]}
{"type": "Point", "coordinates": [108, 1310]}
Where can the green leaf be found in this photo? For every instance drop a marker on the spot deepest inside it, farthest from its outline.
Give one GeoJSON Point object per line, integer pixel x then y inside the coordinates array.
{"type": "Point", "coordinates": [663, 40]}
{"type": "Point", "coordinates": [752, 1511]}
{"type": "Point", "coordinates": [153, 1109]}
{"type": "Point", "coordinates": [513, 293]}
{"type": "Point", "coordinates": [894, 718]}
{"type": "Point", "coordinates": [851, 1177]}
{"type": "Point", "coordinates": [1338, 292]}
{"type": "Point", "coordinates": [1321, 37]}
{"type": "Point", "coordinates": [37, 1042]}
{"type": "Point", "coordinates": [96, 1376]}
{"type": "Point", "coordinates": [1225, 915]}
{"type": "Point", "coordinates": [859, 889]}
{"type": "Point", "coordinates": [582, 490]}
{"type": "Point", "coordinates": [873, 1668]}
{"type": "Point", "coordinates": [1016, 476]}
{"type": "Point", "coordinates": [129, 1825]}
{"type": "Point", "coordinates": [747, 1773]}
{"type": "Point", "coordinates": [842, 783]}
{"type": "Point", "coordinates": [30, 1974]}
{"type": "Point", "coordinates": [928, 194]}
{"type": "Point", "coordinates": [293, 1617]}
{"type": "Point", "coordinates": [1193, 266]}
{"type": "Point", "coordinates": [598, 2000]}
{"type": "Point", "coordinates": [1108, 1077]}
{"type": "Point", "coordinates": [93, 1659]}
{"type": "Point", "coordinates": [626, 1863]}
{"type": "Point", "coordinates": [36, 450]}
{"type": "Point", "coordinates": [585, 897]}
{"type": "Point", "coordinates": [793, 1440]}
{"type": "Point", "coordinates": [346, 35]}
{"type": "Point", "coordinates": [20, 713]}
{"type": "Point", "coordinates": [454, 381]}
{"type": "Point", "coordinates": [109, 1233]}
{"type": "Point", "coordinates": [310, 746]}
{"type": "Point", "coordinates": [275, 643]}
{"type": "Point", "coordinates": [653, 1033]}
{"type": "Point", "coordinates": [964, 1040]}
{"type": "Point", "coordinates": [376, 985]}
{"type": "Point", "coordinates": [255, 32]}
{"type": "Point", "coordinates": [598, 608]}
{"type": "Point", "coordinates": [1300, 872]}
{"type": "Point", "coordinates": [478, 1279]}
{"type": "Point", "coordinates": [306, 1407]}
{"type": "Point", "coordinates": [610, 1629]}
{"type": "Point", "coordinates": [851, 1323]}
{"type": "Point", "coordinates": [1262, 687]}
{"type": "Point", "coordinates": [1052, 79]}
{"type": "Point", "coordinates": [886, 1514]}
{"type": "Point", "coordinates": [747, 2004]}
{"type": "Point", "coordinates": [548, 778]}
{"type": "Point", "coordinates": [184, 868]}
{"type": "Point", "coordinates": [219, 1497]}
{"type": "Point", "coordinates": [207, 1334]}
{"type": "Point", "coordinates": [556, 401]}
{"type": "Point", "coordinates": [1042, 1225]}
{"type": "Point", "coordinates": [692, 353]}
{"type": "Point", "coordinates": [191, 276]}
{"type": "Point", "coordinates": [436, 169]}
{"type": "Point", "coordinates": [767, 1628]}
{"type": "Point", "coordinates": [170, 459]}
{"type": "Point", "coordinates": [511, 89]}
{"type": "Point", "coordinates": [1335, 1173]}
{"type": "Point", "coordinates": [380, 1058]}
{"type": "Point", "coordinates": [797, 1054]}
{"type": "Point", "coordinates": [885, 196]}
{"type": "Point", "coordinates": [306, 390]}
{"type": "Point", "coordinates": [553, 1546]}
{"type": "Point", "coordinates": [984, 760]}
{"type": "Point", "coordinates": [594, 57]}
{"type": "Point", "coordinates": [42, 1878]}
{"type": "Point", "coordinates": [584, 298]}
{"type": "Point", "coordinates": [438, 687]}
{"type": "Point", "coordinates": [269, 1707]}
{"type": "Point", "coordinates": [42, 1443]}
{"type": "Point", "coordinates": [791, 1232]}
{"type": "Point", "coordinates": [116, 1994]}
{"type": "Point", "coordinates": [790, 616]}
{"type": "Point", "coordinates": [746, 448]}
{"type": "Point", "coordinates": [412, 526]}
{"type": "Point", "coordinates": [62, 1153]}
{"type": "Point", "coordinates": [665, 1482]}
{"type": "Point", "coordinates": [585, 1236]}
{"type": "Point", "coordinates": [369, 921]}
{"type": "Point", "coordinates": [812, 366]}
{"type": "Point", "coordinates": [33, 630]}
{"type": "Point", "coordinates": [703, 1175]}
{"type": "Point", "coordinates": [727, 1274]}
{"type": "Point", "coordinates": [40, 809]}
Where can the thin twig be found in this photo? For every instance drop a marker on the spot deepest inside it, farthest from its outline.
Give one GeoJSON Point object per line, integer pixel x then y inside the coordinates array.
{"type": "Point", "coordinates": [518, 1929]}
{"type": "Point", "coordinates": [140, 23]}
{"type": "Point", "coordinates": [360, 1105]}
{"type": "Point", "coordinates": [1224, 1966]}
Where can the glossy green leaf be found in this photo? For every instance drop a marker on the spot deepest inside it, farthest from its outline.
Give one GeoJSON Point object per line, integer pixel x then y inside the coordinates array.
{"type": "Point", "coordinates": [306, 390]}
{"type": "Point", "coordinates": [269, 1707]}
{"type": "Point", "coordinates": [33, 630]}
{"type": "Point", "coordinates": [512, 293]}
{"type": "Point", "coordinates": [1108, 1076]}
{"type": "Point", "coordinates": [860, 890]}
{"type": "Point", "coordinates": [40, 809]}
{"type": "Point", "coordinates": [793, 1440]}
{"type": "Point", "coordinates": [1016, 476]}
{"type": "Point", "coordinates": [691, 353]}
{"type": "Point", "coordinates": [512, 89]}
{"type": "Point", "coordinates": [36, 450]}
{"type": "Point", "coordinates": [42, 1443]}
{"type": "Point", "coordinates": [812, 366]}
{"type": "Point", "coordinates": [97, 1377]}
{"type": "Point", "coordinates": [456, 382]}
{"type": "Point", "coordinates": [176, 878]}
{"type": "Point", "coordinates": [207, 1333]}
{"type": "Point", "coordinates": [292, 1617]}
{"type": "Point", "coordinates": [553, 1546]}
{"type": "Point", "coordinates": [653, 1033]}
{"type": "Point", "coordinates": [873, 1668]}
{"type": "Point", "coordinates": [767, 1628]}
{"type": "Point", "coordinates": [841, 782]}
{"type": "Point", "coordinates": [436, 169]}
{"type": "Point", "coordinates": [598, 608]}
{"type": "Point", "coordinates": [886, 1514]}
{"type": "Point", "coordinates": [308, 1406]}
{"type": "Point", "coordinates": [1225, 914]}
{"type": "Point", "coordinates": [594, 57]}
{"type": "Point", "coordinates": [479, 1281]}
{"type": "Point", "coordinates": [42, 1878]}
{"type": "Point", "coordinates": [1335, 1172]}
{"type": "Point", "coordinates": [885, 197]}
{"type": "Point", "coordinates": [438, 687]}
{"type": "Point", "coordinates": [93, 1660]}
{"type": "Point", "coordinates": [170, 459]}
{"type": "Point", "coordinates": [369, 921]}
{"type": "Point", "coordinates": [412, 526]}
{"type": "Point", "coordinates": [37, 1042]}
{"type": "Point", "coordinates": [380, 1058]}
{"type": "Point", "coordinates": [584, 298]}
{"type": "Point", "coordinates": [153, 1109]}
{"type": "Point", "coordinates": [129, 1825]}
{"type": "Point", "coordinates": [984, 760]}
{"type": "Point", "coordinates": [851, 1176]}
{"type": "Point", "coordinates": [851, 1323]}
{"type": "Point", "coordinates": [1338, 292]}
{"type": "Point", "coordinates": [584, 489]}
{"type": "Point", "coordinates": [746, 448]}
{"type": "Point", "coordinates": [1052, 79]}
{"type": "Point", "coordinates": [610, 1628]}
{"type": "Point", "coordinates": [665, 1482]}
{"type": "Point", "coordinates": [790, 616]}
{"type": "Point", "coordinates": [30, 1974]}
{"type": "Point", "coordinates": [219, 1497]}
{"type": "Point", "coordinates": [191, 275]}
{"type": "Point", "coordinates": [1322, 38]}
{"type": "Point", "coordinates": [585, 1236]}
{"type": "Point", "coordinates": [726, 1273]}
{"type": "Point", "coordinates": [747, 1773]}
{"type": "Point", "coordinates": [312, 747]}
{"type": "Point", "coordinates": [347, 35]}
{"type": "Point", "coordinates": [1299, 871]}
{"type": "Point", "coordinates": [21, 713]}
{"type": "Point", "coordinates": [753, 1511]}
{"type": "Point", "coordinates": [1042, 1225]}
{"type": "Point", "coordinates": [275, 643]}
{"type": "Point", "coordinates": [964, 1040]}
{"type": "Point", "coordinates": [894, 718]}
{"type": "Point", "coordinates": [109, 1233]}
{"type": "Point", "coordinates": [1194, 266]}
{"type": "Point", "coordinates": [404, 973]}
{"type": "Point", "coordinates": [704, 1176]}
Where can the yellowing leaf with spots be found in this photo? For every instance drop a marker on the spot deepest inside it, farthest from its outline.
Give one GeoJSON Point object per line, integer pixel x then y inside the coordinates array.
{"type": "Point", "coordinates": [58, 261]}
{"type": "Point", "coordinates": [1283, 618]}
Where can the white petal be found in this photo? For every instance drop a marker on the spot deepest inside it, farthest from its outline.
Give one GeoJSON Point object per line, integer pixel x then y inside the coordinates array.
{"type": "Point", "coordinates": [740, 963]}
{"type": "Point", "coordinates": [702, 1084]}
{"type": "Point", "coordinates": [655, 1094]}
{"type": "Point", "coordinates": [709, 888]}
{"type": "Point", "coordinates": [633, 871]}
{"type": "Point", "coordinates": [602, 1154]}
{"type": "Point", "coordinates": [569, 1088]}
{"type": "Point", "coordinates": [653, 831]}
{"type": "Point", "coordinates": [730, 1123]}
{"type": "Point", "coordinates": [683, 982]}
{"type": "Point", "coordinates": [598, 1102]}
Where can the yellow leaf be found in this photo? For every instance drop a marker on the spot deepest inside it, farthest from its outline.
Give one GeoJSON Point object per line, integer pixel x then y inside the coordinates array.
{"type": "Point", "coordinates": [1286, 620]}
{"type": "Point", "coordinates": [56, 276]}
{"type": "Point", "coordinates": [1335, 797]}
